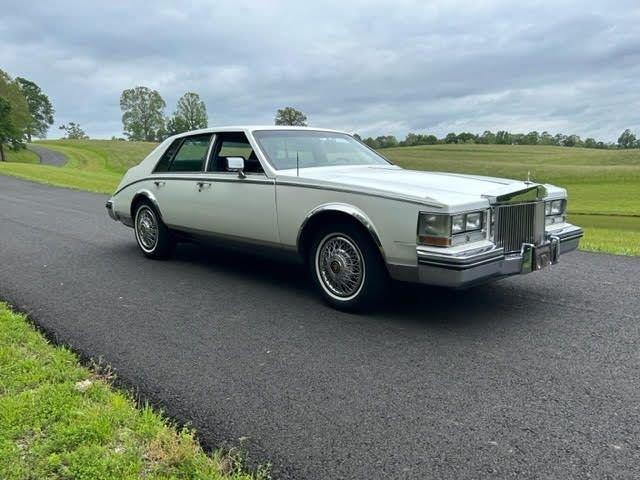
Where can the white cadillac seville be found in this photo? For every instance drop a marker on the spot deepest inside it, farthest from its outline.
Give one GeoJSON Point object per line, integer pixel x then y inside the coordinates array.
{"type": "Point", "coordinates": [342, 208]}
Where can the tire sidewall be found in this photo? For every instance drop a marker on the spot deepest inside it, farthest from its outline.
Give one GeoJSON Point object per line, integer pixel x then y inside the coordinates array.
{"type": "Point", "coordinates": [375, 277]}
{"type": "Point", "coordinates": [164, 240]}
{"type": "Point", "coordinates": [142, 207]}
{"type": "Point", "coordinates": [316, 269]}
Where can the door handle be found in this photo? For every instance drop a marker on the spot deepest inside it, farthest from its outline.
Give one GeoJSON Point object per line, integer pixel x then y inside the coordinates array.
{"type": "Point", "coordinates": [202, 185]}
{"type": "Point", "coordinates": [159, 183]}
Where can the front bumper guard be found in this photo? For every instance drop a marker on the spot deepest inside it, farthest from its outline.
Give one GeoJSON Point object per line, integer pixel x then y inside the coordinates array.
{"type": "Point", "coordinates": [478, 266]}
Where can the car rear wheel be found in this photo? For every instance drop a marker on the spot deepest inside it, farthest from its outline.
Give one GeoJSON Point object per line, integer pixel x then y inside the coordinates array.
{"type": "Point", "coordinates": [153, 236]}
{"type": "Point", "coordinates": [347, 268]}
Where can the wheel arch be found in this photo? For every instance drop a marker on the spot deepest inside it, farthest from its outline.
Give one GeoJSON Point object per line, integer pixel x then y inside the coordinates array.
{"type": "Point", "coordinates": [144, 195]}
{"type": "Point", "coordinates": [319, 215]}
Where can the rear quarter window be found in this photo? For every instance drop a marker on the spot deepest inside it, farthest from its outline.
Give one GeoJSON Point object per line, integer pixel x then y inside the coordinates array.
{"type": "Point", "coordinates": [165, 160]}
{"type": "Point", "coordinates": [187, 154]}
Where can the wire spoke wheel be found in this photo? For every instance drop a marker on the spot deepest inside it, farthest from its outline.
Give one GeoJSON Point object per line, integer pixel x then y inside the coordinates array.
{"type": "Point", "coordinates": [340, 266]}
{"type": "Point", "coordinates": [147, 228]}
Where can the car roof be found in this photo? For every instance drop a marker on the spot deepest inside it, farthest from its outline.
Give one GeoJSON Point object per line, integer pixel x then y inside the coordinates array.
{"type": "Point", "coordinates": [253, 128]}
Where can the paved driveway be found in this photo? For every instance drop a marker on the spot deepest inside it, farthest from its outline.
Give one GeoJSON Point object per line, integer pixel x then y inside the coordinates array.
{"type": "Point", "coordinates": [532, 377]}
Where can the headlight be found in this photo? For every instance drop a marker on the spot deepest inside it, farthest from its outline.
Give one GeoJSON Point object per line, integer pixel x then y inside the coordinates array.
{"type": "Point", "coordinates": [434, 229]}
{"type": "Point", "coordinates": [457, 224]}
{"type": "Point", "coordinates": [442, 230]}
{"type": "Point", "coordinates": [474, 221]}
{"type": "Point", "coordinates": [554, 211]}
{"type": "Point", "coordinates": [554, 207]}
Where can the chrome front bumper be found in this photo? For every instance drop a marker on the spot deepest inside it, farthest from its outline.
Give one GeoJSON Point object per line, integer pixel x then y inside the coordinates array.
{"type": "Point", "coordinates": [477, 265]}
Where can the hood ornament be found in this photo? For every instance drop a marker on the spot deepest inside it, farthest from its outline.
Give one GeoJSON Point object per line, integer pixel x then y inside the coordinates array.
{"type": "Point", "coordinates": [528, 180]}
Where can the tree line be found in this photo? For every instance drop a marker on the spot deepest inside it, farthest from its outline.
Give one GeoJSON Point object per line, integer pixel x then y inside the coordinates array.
{"type": "Point", "coordinates": [502, 137]}
{"type": "Point", "coordinates": [25, 112]}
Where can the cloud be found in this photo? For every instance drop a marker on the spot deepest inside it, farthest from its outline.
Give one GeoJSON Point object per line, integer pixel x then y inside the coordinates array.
{"type": "Point", "coordinates": [370, 67]}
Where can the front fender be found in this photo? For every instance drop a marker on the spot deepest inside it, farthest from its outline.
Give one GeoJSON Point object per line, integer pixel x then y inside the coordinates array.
{"type": "Point", "coordinates": [345, 208]}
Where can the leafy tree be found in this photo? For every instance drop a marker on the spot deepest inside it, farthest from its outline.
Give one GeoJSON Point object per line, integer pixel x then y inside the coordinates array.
{"type": "Point", "coordinates": [487, 137]}
{"type": "Point", "coordinates": [176, 125]}
{"type": "Point", "coordinates": [532, 138]}
{"type": "Point", "coordinates": [14, 114]}
{"type": "Point", "coordinates": [590, 143]}
{"type": "Point", "coordinates": [290, 116]}
{"type": "Point", "coordinates": [503, 138]}
{"type": "Point", "coordinates": [386, 141]}
{"type": "Point", "coordinates": [7, 127]}
{"type": "Point", "coordinates": [627, 139]}
{"type": "Point", "coordinates": [371, 142]}
{"type": "Point", "coordinates": [142, 114]}
{"type": "Point", "coordinates": [466, 137]}
{"type": "Point", "coordinates": [451, 138]}
{"type": "Point", "coordinates": [517, 139]}
{"type": "Point", "coordinates": [572, 141]}
{"type": "Point", "coordinates": [40, 108]}
{"type": "Point", "coordinates": [73, 131]}
{"type": "Point", "coordinates": [546, 138]}
{"type": "Point", "coordinates": [411, 140]}
{"type": "Point", "coordinates": [559, 139]}
{"type": "Point", "coordinates": [190, 114]}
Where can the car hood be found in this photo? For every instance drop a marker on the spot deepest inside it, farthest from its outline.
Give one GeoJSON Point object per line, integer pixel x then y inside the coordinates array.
{"type": "Point", "coordinates": [435, 188]}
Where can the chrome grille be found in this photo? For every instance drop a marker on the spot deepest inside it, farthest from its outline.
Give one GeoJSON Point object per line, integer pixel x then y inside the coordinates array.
{"type": "Point", "coordinates": [516, 224]}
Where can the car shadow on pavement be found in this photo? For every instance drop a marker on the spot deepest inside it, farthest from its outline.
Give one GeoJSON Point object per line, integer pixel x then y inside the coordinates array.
{"type": "Point", "coordinates": [406, 303]}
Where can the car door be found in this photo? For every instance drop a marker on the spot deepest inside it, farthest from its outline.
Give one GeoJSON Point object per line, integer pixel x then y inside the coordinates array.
{"type": "Point", "coordinates": [242, 207]}
{"type": "Point", "coordinates": [178, 180]}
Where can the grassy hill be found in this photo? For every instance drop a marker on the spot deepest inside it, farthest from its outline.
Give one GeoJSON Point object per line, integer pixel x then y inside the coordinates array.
{"type": "Point", "coordinates": [603, 185]}
{"type": "Point", "coordinates": [93, 165]}
{"type": "Point", "coordinates": [20, 156]}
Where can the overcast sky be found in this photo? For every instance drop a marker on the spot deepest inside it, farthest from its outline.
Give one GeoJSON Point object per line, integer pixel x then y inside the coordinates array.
{"type": "Point", "coordinates": [362, 66]}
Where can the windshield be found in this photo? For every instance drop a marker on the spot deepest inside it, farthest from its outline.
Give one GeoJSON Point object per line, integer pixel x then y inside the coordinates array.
{"type": "Point", "coordinates": [314, 149]}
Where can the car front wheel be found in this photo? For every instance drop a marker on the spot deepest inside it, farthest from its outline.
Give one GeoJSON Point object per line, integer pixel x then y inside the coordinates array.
{"type": "Point", "coordinates": [347, 268]}
{"type": "Point", "coordinates": [152, 235]}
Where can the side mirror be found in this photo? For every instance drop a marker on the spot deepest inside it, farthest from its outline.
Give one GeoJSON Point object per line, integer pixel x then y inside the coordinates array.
{"type": "Point", "coordinates": [236, 164]}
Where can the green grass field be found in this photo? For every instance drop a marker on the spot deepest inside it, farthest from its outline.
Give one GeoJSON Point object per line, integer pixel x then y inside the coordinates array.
{"type": "Point", "coordinates": [20, 156]}
{"type": "Point", "coordinates": [598, 181]}
{"type": "Point", "coordinates": [61, 420]}
{"type": "Point", "coordinates": [603, 185]}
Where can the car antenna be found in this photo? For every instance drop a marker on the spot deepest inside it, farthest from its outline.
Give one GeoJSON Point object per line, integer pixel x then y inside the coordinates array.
{"type": "Point", "coordinates": [297, 165]}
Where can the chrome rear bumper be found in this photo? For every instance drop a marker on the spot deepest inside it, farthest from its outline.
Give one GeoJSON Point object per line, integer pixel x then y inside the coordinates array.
{"type": "Point", "coordinates": [112, 213]}
{"type": "Point", "coordinates": [466, 268]}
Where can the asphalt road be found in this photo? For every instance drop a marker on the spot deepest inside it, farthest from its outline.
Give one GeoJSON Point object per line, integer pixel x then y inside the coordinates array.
{"type": "Point", "coordinates": [47, 156]}
{"type": "Point", "coordinates": [531, 377]}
